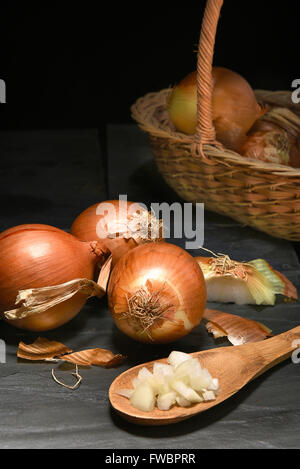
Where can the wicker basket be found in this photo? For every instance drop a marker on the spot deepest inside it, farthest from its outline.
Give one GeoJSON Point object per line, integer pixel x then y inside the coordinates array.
{"type": "Point", "coordinates": [261, 195]}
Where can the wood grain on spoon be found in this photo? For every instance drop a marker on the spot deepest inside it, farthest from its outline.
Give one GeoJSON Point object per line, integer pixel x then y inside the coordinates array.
{"type": "Point", "coordinates": [233, 366]}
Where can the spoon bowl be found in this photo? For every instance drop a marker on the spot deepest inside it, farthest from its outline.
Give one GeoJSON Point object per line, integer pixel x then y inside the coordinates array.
{"type": "Point", "coordinates": [233, 366]}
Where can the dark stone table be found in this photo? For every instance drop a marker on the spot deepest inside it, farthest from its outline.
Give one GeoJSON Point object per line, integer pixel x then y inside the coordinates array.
{"type": "Point", "coordinates": [49, 177]}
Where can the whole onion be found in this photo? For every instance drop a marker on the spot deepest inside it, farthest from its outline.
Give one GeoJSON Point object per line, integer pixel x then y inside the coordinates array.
{"type": "Point", "coordinates": [37, 256]}
{"type": "Point", "coordinates": [121, 226]}
{"type": "Point", "coordinates": [234, 106]}
{"type": "Point", "coordinates": [157, 293]}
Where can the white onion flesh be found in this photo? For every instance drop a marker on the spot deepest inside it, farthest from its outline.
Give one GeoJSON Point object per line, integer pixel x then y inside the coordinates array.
{"type": "Point", "coordinates": [229, 290]}
{"type": "Point", "coordinates": [143, 397]}
{"type": "Point", "coordinates": [182, 381]}
{"type": "Point", "coordinates": [166, 401]}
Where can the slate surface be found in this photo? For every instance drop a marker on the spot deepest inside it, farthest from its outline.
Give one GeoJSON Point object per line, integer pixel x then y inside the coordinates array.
{"type": "Point", "coordinates": [35, 412]}
{"type": "Point", "coordinates": [49, 176]}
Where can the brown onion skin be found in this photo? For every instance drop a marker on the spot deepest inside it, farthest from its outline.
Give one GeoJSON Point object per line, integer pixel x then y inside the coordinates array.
{"type": "Point", "coordinates": [255, 142]}
{"type": "Point", "coordinates": [234, 104]}
{"type": "Point", "coordinates": [84, 228]}
{"type": "Point", "coordinates": [176, 269]}
{"type": "Point", "coordinates": [259, 143]}
{"type": "Point", "coordinates": [35, 256]}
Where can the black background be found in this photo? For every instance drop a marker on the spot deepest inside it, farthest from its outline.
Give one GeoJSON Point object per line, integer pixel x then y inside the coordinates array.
{"type": "Point", "coordinates": [82, 65]}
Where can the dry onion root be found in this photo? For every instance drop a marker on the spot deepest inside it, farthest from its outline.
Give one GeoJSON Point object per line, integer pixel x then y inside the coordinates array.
{"type": "Point", "coordinates": [157, 293]}
{"type": "Point", "coordinates": [181, 382]}
{"type": "Point", "coordinates": [120, 225]}
{"type": "Point", "coordinates": [46, 275]}
{"type": "Point", "coordinates": [254, 282]}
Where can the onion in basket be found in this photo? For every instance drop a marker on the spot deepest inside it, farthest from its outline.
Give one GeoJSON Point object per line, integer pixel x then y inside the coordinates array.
{"type": "Point", "coordinates": [272, 143]}
{"type": "Point", "coordinates": [268, 146]}
{"type": "Point", "coordinates": [235, 108]}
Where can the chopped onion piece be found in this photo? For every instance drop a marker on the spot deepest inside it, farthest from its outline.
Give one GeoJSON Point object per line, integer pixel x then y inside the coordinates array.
{"type": "Point", "coordinates": [209, 396]}
{"type": "Point", "coordinates": [165, 401]}
{"type": "Point", "coordinates": [176, 358]}
{"type": "Point", "coordinates": [185, 391]}
{"type": "Point", "coordinates": [143, 397]}
{"type": "Point", "coordinates": [144, 374]}
{"type": "Point", "coordinates": [182, 402]}
{"type": "Point", "coordinates": [159, 370]}
{"type": "Point", "coordinates": [206, 373]}
{"type": "Point", "coordinates": [200, 383]}
{"type": "Point", "coordinates": [163, 387]}
{"type": "Point", "coordinates": [214, 385]}
{"type": "Point", "coordinates": [187, 369]}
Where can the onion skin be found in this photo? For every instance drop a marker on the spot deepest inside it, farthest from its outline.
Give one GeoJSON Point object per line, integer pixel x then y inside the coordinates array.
{"type": "Point", "coordinates": [172, 274]}
{"type": "Point", "coordinates": [35, 256]}
{"type": "Point", "coordinates": [268, 146]}
{"type": "Point", "coordinates": [235, 108]}
{"type": "Point", "coordinates": [84, 227]}
{"type": "Point", "coordinates": [267, 139]}
{"type": "Point", "coordinates": [28, 227]}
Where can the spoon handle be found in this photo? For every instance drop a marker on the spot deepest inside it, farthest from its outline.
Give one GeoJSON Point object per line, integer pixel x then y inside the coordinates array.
{"type": "Point", "coordinates": [275, 350]}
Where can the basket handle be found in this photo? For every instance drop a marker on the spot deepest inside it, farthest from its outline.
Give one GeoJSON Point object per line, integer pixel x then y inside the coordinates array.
{"type": "Point", "coordinates": [205, 131]}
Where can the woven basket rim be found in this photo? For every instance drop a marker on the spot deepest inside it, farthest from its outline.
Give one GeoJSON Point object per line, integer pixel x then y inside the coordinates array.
{"type": "Point", "coordinates": [157, 100]}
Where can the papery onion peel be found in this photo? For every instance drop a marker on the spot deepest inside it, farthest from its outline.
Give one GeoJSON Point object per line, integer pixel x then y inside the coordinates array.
{"type": "Point", "coordinates": [237, 329]}
{"type": "Point", "coordinates": [273, 143]}
{"type": "Point", "coordinates": [43, 349]}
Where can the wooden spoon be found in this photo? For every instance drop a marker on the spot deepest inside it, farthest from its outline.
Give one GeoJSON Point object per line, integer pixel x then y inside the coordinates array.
{"type": "Point", "coordinates": [233, 366]}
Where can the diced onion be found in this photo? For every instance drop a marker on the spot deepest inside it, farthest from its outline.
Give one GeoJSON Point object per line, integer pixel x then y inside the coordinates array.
{"type": "Point", "coordinates": [182, 381]}
{"type": "Point", "coordinates": [209, 396]}
{"type": "Point", "coordinates": [143, 397]}
{"type": "Point", "coordinates": [176, 358]}
{"type": "Point", "coordinates": [166, 401]}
